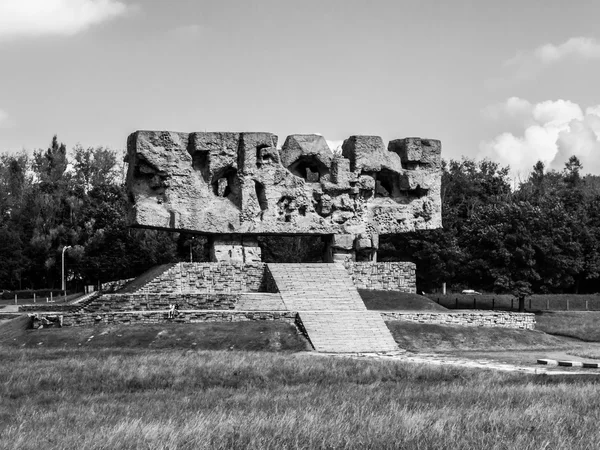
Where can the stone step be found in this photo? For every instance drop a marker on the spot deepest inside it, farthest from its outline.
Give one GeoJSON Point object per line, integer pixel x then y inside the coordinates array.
{"type": "Point", "coordinates": [260, 301]}
{"type": "Point", "coordinates": [347, 331]}
{"type": "Point", "coordinates": [313, 287]}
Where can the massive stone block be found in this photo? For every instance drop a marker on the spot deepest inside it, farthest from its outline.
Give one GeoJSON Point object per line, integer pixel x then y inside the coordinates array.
{"type": "Point", "coordinates": [307, 156]}
{"type": "Point", "coordinates": [241, 183]}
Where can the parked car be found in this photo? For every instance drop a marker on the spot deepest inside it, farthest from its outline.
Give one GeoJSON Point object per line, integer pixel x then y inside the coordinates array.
{"type": "Point", "coordinates": [470, 292]}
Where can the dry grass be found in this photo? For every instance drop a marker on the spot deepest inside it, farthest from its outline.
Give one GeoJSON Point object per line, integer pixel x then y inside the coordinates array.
{"type": "Point", "coordinates": [579, 324]}
{"type": "Point", "coordinates": [248, 336]}
{"type": "Point", "coordinates": [76, 399]}
{"type": "Point", "coordinates": [397, 301]}
{"type": "Point", "coordinates": [450, 338]}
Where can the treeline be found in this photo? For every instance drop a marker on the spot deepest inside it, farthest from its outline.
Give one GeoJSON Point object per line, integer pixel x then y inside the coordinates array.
{"type": "Point", "coordinates": [543, 236]}
{"type": "Point", "coordinates": [55, 199]}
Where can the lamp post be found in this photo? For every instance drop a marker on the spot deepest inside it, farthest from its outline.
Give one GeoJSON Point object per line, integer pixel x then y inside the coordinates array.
{"type": "Point", "coordinates": [64, 281]}
{"type": "Point", "coordinates": [191, 243]}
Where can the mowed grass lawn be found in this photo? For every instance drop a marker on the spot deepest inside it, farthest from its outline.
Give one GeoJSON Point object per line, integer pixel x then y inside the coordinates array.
{"type": "Point", "coordinates": [144, 398]}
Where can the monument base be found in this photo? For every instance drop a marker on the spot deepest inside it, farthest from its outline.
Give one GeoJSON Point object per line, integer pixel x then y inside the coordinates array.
{"type": "Point", "coordinates": [235, 249]}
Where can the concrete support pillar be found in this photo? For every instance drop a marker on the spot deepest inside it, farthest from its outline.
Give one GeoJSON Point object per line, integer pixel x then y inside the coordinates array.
{"type": "Point", "coordinates": [341, 248]}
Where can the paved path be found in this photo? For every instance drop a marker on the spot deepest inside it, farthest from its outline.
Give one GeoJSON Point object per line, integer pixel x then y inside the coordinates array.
{"type": "Point", "coordinates": [444, 360]}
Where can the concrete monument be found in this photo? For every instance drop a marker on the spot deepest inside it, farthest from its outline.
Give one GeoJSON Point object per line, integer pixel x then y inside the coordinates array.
{"type": "Point", "coordinates": [236, 186]}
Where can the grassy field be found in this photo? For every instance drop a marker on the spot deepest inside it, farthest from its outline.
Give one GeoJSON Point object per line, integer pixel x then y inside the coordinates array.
{"type": "Point", "coordinates": [91, 398]}
{"type": "Point", "coordinates": [537, 302]}
{"type": "Point", "coordinates": [247, 336]}
{"type": "Point", "coordinates": [156, 387]}
{"type": "Point", "coordinates": [577, 324]}
{"type": "Point", "coordinates": [450, 338]}
{"type": "Point", "coordinates": [397, 301]}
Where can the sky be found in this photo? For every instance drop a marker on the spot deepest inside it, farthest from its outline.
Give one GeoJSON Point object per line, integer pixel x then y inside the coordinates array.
{"type": "Point", "coordinates": [514, 81]}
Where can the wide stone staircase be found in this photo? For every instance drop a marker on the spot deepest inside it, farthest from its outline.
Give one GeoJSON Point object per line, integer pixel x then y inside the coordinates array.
{"type": "Point", "coordinates": [316, 287]}
{"type": "Point", "coordinates": [260, 301]}
{"type": "Point", "coordinates": [330, 309]}
{"type": "Point", "coordinates": [347, 331]}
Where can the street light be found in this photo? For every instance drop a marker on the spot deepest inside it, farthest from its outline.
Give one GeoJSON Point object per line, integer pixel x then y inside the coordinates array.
{"type": "Point", "coordinates": [191, 242]}
{"type": "Point", "coordinates": [64, 281]}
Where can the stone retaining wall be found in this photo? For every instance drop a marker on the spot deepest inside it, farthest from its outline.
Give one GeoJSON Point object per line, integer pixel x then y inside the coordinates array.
{"type": "Point", "coordinates": [158, 301]}
{"type": "Point", "coordinates": [152, 317]}
{"type": "Point", "coordinates": [113, 286]}
{"type": "Point", "coordinates": [231, 278]}
{"type": "Point", "coordinates": [522, 321]}
{"type": "Point", "coordinates": [49, 307]}
{"type": "Point", "coordinates": [210, 278]}
{"type": "Point", "coordinates": [383, 276]}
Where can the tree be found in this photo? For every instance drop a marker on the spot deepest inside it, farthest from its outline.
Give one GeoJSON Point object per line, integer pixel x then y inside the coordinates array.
{"type": "Point", "coordinates": [521, 290]}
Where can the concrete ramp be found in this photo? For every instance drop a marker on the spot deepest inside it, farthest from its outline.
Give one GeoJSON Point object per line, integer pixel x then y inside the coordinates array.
{"type": "Point", "coordinates": [330, 309]}
{"type": "Point", "coordinates": [347, 331]}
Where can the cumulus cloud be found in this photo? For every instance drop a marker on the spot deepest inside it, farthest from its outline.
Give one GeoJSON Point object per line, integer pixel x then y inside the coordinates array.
{"type": "Point", "coordinates": [551, 132]}
{"type": "Point", "coordinates": [525, 65]}
{"type": "Point", "coordinates": [335, 145]}
{"type": "Point", "coordinates": [23, 18]}
{"type": "Point", "coordinates": [582, 47]}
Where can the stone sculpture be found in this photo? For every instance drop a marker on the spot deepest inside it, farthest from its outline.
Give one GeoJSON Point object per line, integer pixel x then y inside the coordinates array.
{"type": "Point", "coordinates": [235, 186]}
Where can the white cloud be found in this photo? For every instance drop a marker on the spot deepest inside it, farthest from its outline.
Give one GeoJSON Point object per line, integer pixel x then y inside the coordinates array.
{"type": "Point", "coordinates": [552, 131]}
{"type": "Point", "coordinates": [582, 47]}
{"type": "Point", "coordinates": [23, 18]}
{"type": "Point", "coordinates": [556, 112]}
{"type": "Point", "coordinates": [335, 145]}
{"type": "Point", "coordinates": [513, 108]}
{"type": "Point", "coordinates": [526, 65]}
{"type": "Point", "coordinates": [5, 120]}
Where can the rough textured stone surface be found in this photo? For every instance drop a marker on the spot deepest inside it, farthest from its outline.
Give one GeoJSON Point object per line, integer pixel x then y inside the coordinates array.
{"type": "Point", "coordinates": [113, 286]}
{"type": "Point", "coordinates": [523, 321]}
{"type": "Point", "coordinates": [161, 302]}
{"type": "Point", "coordinates": [307, 151]}
{"type": "Point", "coordinates": [343, 241]}
{"type": "Point", "coordinates": [240, 183]}
{"type": "Point", "coordinates": [211, 278]}
{"type": "Point", "coordinates": [151, 317]}
{"type": "Point", "coordinates": [384, 276]}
